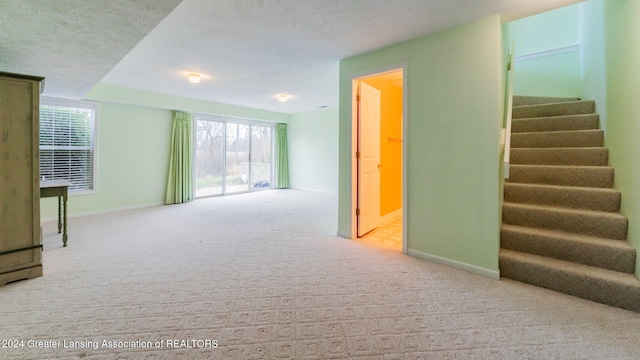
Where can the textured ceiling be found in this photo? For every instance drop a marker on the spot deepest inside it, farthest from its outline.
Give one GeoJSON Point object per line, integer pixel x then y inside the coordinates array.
{"type": "Point", "coordinates": [247, 51]}
{"type": "Point", "coordinates": [73, 43]}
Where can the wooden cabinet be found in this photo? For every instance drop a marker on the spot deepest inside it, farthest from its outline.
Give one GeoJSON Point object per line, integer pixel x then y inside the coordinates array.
{"type": "Point", "coordinates": [20, 234]}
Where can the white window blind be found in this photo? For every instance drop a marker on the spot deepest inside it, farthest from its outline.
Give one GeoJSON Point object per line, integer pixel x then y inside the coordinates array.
{"type": "Point", "coordinates": [66, 143]}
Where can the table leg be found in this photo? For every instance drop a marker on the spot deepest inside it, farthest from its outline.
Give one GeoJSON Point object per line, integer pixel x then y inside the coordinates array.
{"type": "Point", "coordinates": [64, 218]}
{"type": "Point", "coordinates": [59, 214]}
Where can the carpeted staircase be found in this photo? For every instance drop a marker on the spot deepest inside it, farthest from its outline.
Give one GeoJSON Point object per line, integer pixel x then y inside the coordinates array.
{"type": "Point", "coordinates": [561, 225]}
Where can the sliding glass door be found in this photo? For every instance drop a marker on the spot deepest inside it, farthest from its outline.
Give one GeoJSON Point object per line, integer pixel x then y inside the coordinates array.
{"type": "Point", "coordinates": [261, 150]}
{"type": "Point", "coordinates": [237, 169]}
{"type": "Point", "coordinates": [232, 156]}
{"type": "Point", "coordinates": [209, 169]}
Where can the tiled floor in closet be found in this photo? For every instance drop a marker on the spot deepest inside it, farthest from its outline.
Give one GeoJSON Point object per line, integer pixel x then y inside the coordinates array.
{"type": "Point", "coordinates": [388, 234]}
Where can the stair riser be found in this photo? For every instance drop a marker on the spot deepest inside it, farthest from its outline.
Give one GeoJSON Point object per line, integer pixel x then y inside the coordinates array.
{"type": "Point", "coordinates": [555, 109]}
{"type": "Point", "coordinates": [556, 123]}
{"type": "Point", "coordinates": [572, 284]}
{"type": "Point", "coordinates": [606, 225]}
{"type": "Point", "coordinates": [583, 138]}
{"type": "Point", "coordinates": [520, 100]}
{"type": "Point", "coordinates": [565, 176]}
{"type": "Point", "coordinates": [603, 255]}
{"type": "Point", "coordinates": [576, 198]}
{"type": "Point", "coordinates": [561, 156]}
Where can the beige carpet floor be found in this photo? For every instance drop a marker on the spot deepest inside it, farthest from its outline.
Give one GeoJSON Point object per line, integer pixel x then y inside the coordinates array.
{"type": "Point", "coordinates": [265, 276]}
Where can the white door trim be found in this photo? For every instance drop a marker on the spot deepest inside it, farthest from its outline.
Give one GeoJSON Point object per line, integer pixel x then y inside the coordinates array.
{"type": "Point", "coordinates": [405, 146]}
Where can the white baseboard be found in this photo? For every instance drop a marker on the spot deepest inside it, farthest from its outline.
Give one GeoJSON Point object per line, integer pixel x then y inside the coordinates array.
{"type": "Point", "coordinates": [344, 234]}
{"type": "Point", "coordinates": [314, 190]}
{"type": "Point", "coordinates": [456, 264]}
{"type": "Point", "coordinates": [101, 212]}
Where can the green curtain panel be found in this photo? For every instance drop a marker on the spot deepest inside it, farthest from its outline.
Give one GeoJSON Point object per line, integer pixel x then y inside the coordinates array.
{"type": "Point", "coordinates": [282, 157]}
{"type": "Point", "coordinates": [179, 181]}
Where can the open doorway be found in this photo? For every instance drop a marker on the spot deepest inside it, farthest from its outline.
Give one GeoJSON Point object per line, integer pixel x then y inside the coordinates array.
{"type": "Point", "coordinates": [378, 105]}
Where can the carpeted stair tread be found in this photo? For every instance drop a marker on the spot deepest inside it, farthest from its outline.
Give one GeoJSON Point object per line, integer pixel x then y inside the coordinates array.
{"type": "Point", "coordinates": [520, 100]}
{"type": "Point", "coordinates": [554, 109]}
{"type": "Point", "coordinates": [605, 253]}
{"type": "Point", "coordinates": [585, 176]}
{"type": "Point", "coordinates": [556, 123]}
{"type": "Point", "coordinates": [588, 282]}
{"type": "Point", "coordinates": [561, 227]}
{"type": "Point", "coordinates": [586, 198]}
{"type": "Point", "coordinates": [586, 222]}
{"type": "Point", "coordinates": [554, 139]}
{"type": "Point", "coordinates": [573, 156]}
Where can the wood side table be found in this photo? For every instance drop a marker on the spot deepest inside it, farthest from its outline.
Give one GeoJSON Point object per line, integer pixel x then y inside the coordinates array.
{"type": "Point", "coordinates": [59, 189]}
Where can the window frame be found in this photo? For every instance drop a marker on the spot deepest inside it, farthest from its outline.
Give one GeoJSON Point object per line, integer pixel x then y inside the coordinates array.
{"type": "Point", "coordinates": [81, 104]}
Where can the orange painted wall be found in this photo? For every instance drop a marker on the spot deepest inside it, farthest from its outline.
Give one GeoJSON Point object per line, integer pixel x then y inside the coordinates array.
{"type": "Point", "coordinates": [390, 151]}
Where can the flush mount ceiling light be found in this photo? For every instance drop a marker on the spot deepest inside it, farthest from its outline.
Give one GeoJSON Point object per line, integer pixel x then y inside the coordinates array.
{"type": "Point", "coordinates": [282, 98]}
{"type": "Point", "coordinates": [194, 78]}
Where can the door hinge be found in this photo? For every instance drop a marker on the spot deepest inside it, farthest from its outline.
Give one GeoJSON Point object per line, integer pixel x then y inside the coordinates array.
{"type": "Point", "coordinates": [357, 97]}
{"type": "Point", "coordinates": [357, 212]}
{"type": "Point", "coordinates": [357, 154]}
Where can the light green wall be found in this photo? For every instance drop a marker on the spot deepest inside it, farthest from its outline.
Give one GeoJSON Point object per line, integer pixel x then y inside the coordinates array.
{"type": "Point", "coordinates": [557, 75]}
{"type": "Point", "coordinates": [453, 115]}
{"type": "Point", "coordinates": [133, 138]}
{"type": "Point", "coordinates": [622, 21]}
{"type": "Point", "coordinates": [313, 150]}
{"type": "Point", "coordinates": [550, 75]}
{"type": "Point", "coordinates": [593, 64]}
{"type": "Point", "coordinates": [116, 94]}
{"type": "Point", "coordinates": [550, 30]}
{"type": "Point", "coordinates": [132, 160]}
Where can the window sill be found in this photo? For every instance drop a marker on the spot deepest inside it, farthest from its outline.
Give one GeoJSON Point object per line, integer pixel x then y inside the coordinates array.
{"type": "Point", "coordinates": [82, 192]}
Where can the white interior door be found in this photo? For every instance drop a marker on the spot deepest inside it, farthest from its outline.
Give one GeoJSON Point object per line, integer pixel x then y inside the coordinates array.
{"type": "Point", "coordinates": [369, 159]}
